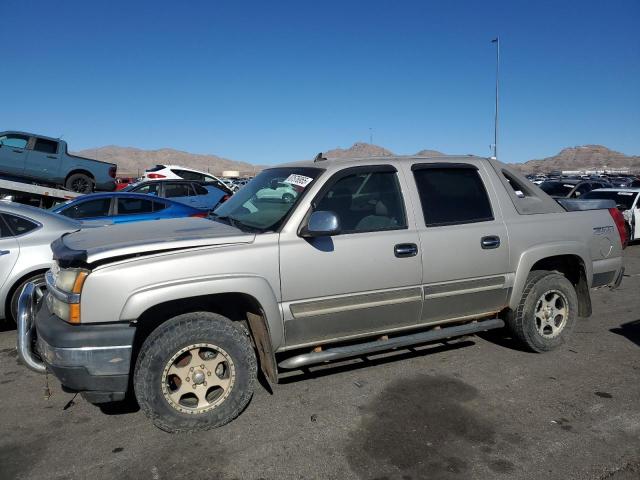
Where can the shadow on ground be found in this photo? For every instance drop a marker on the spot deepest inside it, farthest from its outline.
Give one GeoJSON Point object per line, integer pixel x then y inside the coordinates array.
{"type": "Point", "coordinates": [630, 330]}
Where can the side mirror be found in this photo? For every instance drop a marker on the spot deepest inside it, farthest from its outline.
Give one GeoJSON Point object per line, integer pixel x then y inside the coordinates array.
{"type": "Point", "coordinates": [322, 224]}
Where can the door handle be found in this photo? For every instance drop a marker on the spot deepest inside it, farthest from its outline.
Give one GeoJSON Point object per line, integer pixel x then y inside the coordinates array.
{"type": "Point", "coordinates": [490, 241]}
{"type": "Point", "coordinates": [51, 156]}
{"type": "Point", "coordinates": [4, 252]}
{"type": "Point", "coordinates": [402, 250]}
{"type": "Point", "coordinates": [17, 151]}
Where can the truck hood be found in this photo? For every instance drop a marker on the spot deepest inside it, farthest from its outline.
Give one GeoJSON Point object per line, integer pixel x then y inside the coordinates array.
{"type": "Point", "coordinates": [133, 239]}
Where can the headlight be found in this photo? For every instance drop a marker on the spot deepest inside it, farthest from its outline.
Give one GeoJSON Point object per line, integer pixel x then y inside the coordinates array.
{"type": "Point", "coordinates": [71, 280]}
{"type": "Point", "coordinates": [65, 286]}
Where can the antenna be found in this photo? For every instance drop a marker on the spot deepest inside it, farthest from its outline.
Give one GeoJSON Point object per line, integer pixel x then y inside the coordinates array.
{"type": "Point", "coordinates": [495, 120]}
{"type": "Point", "coordinates": [319, 158]}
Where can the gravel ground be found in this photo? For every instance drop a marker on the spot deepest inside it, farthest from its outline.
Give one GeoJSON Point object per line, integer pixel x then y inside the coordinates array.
{"type": "Point", "coordinates": [477, 408]}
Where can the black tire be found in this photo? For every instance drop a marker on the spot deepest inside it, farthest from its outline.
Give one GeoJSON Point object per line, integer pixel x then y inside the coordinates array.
{"type": "Point", "coordinates": [181, 332]}
{"type": "Point", "coordinates": [627, 228]}
{"type": "Point", "coordinates": [79, 182]}
{"type": "Point", "coordinates": [38, 279]}
{"type": "Point", "coordinates": [523, 322]}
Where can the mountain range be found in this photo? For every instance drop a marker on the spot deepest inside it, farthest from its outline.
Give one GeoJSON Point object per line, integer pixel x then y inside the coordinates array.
{"type": "Point", "coordinates": [133, 161]}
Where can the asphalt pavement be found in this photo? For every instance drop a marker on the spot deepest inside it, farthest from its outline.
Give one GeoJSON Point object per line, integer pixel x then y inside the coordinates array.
{"type": "Point", "coordinates": [477, 408]}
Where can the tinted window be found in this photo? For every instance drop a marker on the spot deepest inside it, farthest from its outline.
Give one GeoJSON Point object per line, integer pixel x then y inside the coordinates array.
{"type": "Point", "coordinates": [200, 190]}
{"type": "Point", "coordinates": [187, 175]}
{"type": "Point", "coordinates": [130, 206]}
{"type": "Point", "coordinates": [157, 206]}
{"type": "Point", "coordinates": [625, 199]}
{"type": "Point", "coordinates": [172, 190]}
{"type": "Point", "coordinates": [152, 188]}
{"type": "Point", "coordinates": [4, 230]}
{"type": "Point", "coordinates": [366, 202]}
{"type": "Point", "coordinates": [46, 146]}
{"type": "Point", "coordinates": [88, 209]}
{"type": "Point", "coordinates": [14, 140]}
{"type": "Point", "coordinates": [452, 195]}
{"type": "Point", "coordinates": [19, 225]}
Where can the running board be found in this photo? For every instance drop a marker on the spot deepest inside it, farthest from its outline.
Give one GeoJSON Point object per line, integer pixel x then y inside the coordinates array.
{"type": "Point", "coordinates": [338, 353]}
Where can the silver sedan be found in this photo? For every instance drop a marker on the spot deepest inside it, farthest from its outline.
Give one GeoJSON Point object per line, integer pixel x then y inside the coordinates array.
{"type": "Point", "coordinates": [26, 234]}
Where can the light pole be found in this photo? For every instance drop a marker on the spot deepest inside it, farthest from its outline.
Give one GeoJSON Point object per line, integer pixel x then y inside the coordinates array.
{"type": "Point", "coordinates": [495, 120]}
{"type": "Point", "coordinates": [370, 136]}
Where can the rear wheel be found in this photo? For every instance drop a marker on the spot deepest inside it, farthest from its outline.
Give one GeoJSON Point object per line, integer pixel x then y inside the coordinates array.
{"type": "Point", "coordinates": [79, 182]}
{"type": "Point", "coordinates": [195, 372]}
{"type": "Point", "coordinates": [547, 311]}
{"type": "Point", "coordinates": [41, 288]}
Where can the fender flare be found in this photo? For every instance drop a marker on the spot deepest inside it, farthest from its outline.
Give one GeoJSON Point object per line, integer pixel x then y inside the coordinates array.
{"type": "Point", "coordinates": [257, 287]}
{"type": "Point", "coordinates": [529, 258]}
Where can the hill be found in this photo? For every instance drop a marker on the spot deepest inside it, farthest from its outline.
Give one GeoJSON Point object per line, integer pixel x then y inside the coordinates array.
{"type": "Point", "coordinates": [585, 157]}
{"type": "Point", "coordinates": [361, 149]}
{"type": "Point", "coordinates": [134, 161]}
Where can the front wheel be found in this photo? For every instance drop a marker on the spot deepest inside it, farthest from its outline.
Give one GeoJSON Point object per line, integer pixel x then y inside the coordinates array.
{"type": "Point", "coordinates": [195, 372]}
{"type": "Point", "coordinates": [547, 311]}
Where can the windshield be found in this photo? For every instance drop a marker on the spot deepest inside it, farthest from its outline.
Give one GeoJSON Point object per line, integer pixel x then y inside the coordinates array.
{"type": "Point", "coordinates": [625, 199]}
{"type": "Point", "coordinates": [558, 189]}
{"type": "Point", "coordinates": [264, 202]}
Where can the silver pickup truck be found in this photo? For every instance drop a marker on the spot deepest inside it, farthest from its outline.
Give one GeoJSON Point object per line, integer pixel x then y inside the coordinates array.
{"type": "Point", "coordinates": [368, 255]}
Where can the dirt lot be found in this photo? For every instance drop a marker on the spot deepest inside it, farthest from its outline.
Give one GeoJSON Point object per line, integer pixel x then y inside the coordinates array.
{"type": "Point", "coordinates": [478, 408]}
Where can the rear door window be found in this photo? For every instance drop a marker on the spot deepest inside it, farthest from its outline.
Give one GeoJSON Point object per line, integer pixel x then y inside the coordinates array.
{"type": "Point", "coordinates": [90, 208]}
{"type": "Point", "coordinates": [158, 206]}
{"type": "Point", "coordinates": [149, 188]}
{"type": "Point", "coordinates": [173, 190]}
{"type": "Point", "coordinates": [45, 146]}
{"type": "Point", "coordinates": [4, 229]}
{"type": "Point", "coordinates": [452, 195]}
{"type": "Point", "coordinates": [134, 206]}
{"type": "Point", "coordinates": [19, 225]}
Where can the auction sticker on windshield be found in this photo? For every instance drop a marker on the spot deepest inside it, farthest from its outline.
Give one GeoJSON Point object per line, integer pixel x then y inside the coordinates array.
{"type": "Point", "coordinates": [298, 180]}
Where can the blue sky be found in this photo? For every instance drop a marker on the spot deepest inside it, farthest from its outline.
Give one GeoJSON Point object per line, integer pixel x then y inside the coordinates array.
{"type": "Point", "coordinates": [267, 82]}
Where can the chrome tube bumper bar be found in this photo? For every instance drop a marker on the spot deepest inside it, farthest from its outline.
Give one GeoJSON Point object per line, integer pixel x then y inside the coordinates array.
{"type": "Point", "coordinates": [26, 310]}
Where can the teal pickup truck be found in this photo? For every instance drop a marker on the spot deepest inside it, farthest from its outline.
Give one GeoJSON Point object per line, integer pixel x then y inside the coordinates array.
{"type": "Point", "coordinates": [46, 160]}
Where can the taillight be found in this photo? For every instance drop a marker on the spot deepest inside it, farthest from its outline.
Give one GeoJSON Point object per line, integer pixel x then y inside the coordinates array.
{"type": "Point", "coordinates": [199, 215]}
{"type": "Point", "coordinates": [112, 172]}
{"type": "Point", "coordinates": [618, 218]}
{"type": "Point", "coordinates": [225, 198]}
{"type": "Point", "coordinates": [155, 175]}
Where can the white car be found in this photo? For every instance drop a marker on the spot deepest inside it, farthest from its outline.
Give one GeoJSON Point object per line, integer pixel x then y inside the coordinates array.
{"type": "Point", "coordinates": [26, 234]}
{"type": "Point", "coordinates": [176, 172]}
{"type": "Point", "coordinates": [627, 200]}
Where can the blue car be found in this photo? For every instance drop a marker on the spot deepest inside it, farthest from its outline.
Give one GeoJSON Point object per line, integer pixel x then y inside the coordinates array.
{"type": "Point", "coordinates": [120, 207]}
{"type": "Point", "coordinates": [206, 196]}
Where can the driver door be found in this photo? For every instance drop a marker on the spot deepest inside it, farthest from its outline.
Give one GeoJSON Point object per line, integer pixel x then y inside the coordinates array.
{"type": "Point", "coordinates": [361, 281]}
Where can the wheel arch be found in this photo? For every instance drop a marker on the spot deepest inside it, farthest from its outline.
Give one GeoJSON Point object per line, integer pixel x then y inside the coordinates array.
{"type": "Point", "coordinates": [79, 170]}
{"type": "Point", "coordinates": [16, 283]}
{"type": "Point", "coordinates": [253, 307]}
{"type": "Point", "coordinates": [570, 259]}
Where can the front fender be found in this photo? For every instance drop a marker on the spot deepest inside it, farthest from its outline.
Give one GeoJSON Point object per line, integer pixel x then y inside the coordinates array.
{"type": "Point", "coordinates": [144, 298]}
{"type": "Point", "coordinates": [529, 258]}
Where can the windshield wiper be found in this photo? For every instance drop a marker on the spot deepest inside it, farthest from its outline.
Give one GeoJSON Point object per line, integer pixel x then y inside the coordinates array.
{"type": "Point", "coordinates": [234, 223]}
